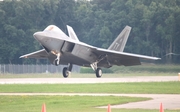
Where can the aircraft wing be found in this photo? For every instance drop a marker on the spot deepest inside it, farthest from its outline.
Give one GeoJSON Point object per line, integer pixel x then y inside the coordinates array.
{"type": "Point", "coordinates": [41, 54]}
{"type": "Point", "coordinates": [120, 58]}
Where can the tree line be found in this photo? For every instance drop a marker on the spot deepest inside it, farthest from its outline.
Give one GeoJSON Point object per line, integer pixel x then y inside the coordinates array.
{"type": "Point", "coordinates": [155, 25]}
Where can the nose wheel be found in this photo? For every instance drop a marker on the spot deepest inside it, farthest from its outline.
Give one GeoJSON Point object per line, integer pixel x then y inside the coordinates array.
{"type": "Point", "coordinates": [57, 60]}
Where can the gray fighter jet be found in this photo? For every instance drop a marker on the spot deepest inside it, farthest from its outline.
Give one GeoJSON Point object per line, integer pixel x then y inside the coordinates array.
{"type": "Point", "coordinates": [68, 50]}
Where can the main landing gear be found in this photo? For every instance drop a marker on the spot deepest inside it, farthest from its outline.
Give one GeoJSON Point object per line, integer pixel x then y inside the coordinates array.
{"type": "Point", "coordinates": [67, 70]}
{"type": "Point", "coordinates": [97, 70]}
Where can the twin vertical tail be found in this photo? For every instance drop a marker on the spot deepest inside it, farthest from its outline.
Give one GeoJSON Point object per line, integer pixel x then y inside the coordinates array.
{"type": "Point", "coordinates": [120, 42]}
{"type": "Point", "coordinates": [72, 34]}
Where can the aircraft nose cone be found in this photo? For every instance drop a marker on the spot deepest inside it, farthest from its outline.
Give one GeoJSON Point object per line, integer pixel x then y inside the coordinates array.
{"type": "Point", "coordinates": [38, 35]}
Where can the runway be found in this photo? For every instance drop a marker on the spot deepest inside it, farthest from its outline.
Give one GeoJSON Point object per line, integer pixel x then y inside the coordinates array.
{"type": "Point", "coordinates": [169, 101]}
{"type": "Point", "coordinates": [87, 80]}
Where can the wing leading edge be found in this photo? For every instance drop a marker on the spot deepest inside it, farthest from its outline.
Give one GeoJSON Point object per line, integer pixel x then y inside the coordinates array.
{"type": "Point", "coordinates": [120, 58]}
{"type": "Point", "coordinates": [115, 55]}
{"type": "Point", "coordinates": [41, 54]}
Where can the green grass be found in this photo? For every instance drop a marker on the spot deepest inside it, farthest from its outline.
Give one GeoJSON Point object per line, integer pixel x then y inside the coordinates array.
{"type": "Point", "coordinates": [60, 103]}
{"type": "Point", "coordinates": [150, 68]}
{"type": "Point", "coordinates": [87, 103]}
{"type": "Point", "coordinates": [138, 87]}
{"type": "Point", "coordinates": [144, 68]}
{"type": "Point", "coordinates": [67, 103]}
{"type": "Point", "coordinates": [81, 103]}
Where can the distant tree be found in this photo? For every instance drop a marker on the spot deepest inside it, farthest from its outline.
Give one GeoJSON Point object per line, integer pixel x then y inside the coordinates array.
{"type": "Point", "coordinates": [155, 25]}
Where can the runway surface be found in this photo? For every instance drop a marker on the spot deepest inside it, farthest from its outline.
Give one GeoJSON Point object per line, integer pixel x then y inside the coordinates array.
{"type": "Point", "coordinates": [169, 101]}
{"type": "Point", "coordinates": [87, 80]}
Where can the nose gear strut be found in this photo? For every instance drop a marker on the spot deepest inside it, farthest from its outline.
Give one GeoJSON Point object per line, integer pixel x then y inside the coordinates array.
{"type": "Point", "coordinates": [57, 60]}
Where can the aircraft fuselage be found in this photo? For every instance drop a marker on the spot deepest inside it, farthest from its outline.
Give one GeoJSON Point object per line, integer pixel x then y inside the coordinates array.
{"type": "Point", "coordinates": [60, 48]}
{"type": "Point", "coordinates": [66, 48]}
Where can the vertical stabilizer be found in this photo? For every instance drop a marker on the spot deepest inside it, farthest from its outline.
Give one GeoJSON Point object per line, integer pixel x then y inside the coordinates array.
{"type": "Point", "coordinates": [71, 33]}
{"type": "Point", "coordinates": [120, 42]}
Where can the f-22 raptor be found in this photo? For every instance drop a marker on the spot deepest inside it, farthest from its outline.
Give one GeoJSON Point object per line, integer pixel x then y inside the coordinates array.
{"type": "Point", "coordinates": [60, 48]}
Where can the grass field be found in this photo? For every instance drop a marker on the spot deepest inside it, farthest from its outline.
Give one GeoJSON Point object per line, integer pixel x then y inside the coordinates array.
{"type": "Point", "coordinates": [144, 68]}
{"type": "Point", "coordinates": [60, 103]}
{"type": "Point", "coordinates": [87, 103]}
{"type": "Point", "coordinates": [80, 103]}
{"type": "Point", "coordinates": [139, 88]}
{"type": "Point", "coordinates": [67, 103]}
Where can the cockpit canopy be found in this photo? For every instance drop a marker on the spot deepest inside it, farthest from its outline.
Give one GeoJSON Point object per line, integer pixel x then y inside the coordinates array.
{"type": "Point", "coordinates": [55, 31]}
{"type": "Point", "coordinates": [52, 28]}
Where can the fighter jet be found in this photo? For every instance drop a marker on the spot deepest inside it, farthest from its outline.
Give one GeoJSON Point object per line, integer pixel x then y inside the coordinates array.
{"type": "Point", "coordinates": [63, 49]}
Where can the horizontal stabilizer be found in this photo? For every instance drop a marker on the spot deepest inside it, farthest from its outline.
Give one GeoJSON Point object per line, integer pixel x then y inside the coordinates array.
{"type": "Point", "coordinates": [71, 33]}
{"type": "Point", "coordinates": [120, 42]}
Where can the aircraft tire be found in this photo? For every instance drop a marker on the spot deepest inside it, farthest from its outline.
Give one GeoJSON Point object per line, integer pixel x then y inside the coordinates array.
{"type": "Point", "coordinates": [98, 73]}
{"type": "Point", "coordinates": [65, 72]}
